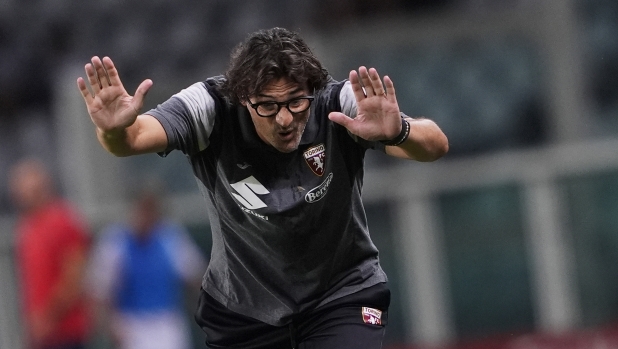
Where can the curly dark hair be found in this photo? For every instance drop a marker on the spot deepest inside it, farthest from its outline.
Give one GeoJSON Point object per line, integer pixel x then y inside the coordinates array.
{"type": "Point", "coordinates": [271, 54]}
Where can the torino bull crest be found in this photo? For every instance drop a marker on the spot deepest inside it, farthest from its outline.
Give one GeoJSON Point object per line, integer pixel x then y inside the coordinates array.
{"type": "Point", "coordinates": [315, 158]}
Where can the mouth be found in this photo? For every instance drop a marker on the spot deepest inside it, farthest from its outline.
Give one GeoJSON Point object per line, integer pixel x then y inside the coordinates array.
{"type": "Point", "coordinates": [286, 135]}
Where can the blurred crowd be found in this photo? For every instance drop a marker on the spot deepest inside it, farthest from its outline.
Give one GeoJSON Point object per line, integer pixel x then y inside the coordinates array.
{"type": "Point", "coordinates": [127, 283]}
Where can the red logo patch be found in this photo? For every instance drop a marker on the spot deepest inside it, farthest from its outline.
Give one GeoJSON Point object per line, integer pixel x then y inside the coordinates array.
{"type": "Point", "coordinates": [372, 316]}
{"type": "Point", "coordinates": [314, 157]}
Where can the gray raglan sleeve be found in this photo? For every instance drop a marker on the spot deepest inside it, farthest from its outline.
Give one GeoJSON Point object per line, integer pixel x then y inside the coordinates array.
{"type": "Point", "coordinates": [188, 119]}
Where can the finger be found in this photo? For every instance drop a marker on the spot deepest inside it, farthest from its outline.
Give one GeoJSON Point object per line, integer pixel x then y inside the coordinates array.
{"type": "Point", "coordinates": [93, 80]}
{"type": "Point", "coordinates": [390, 89]}
{"type": "Point", "coordinates": [101, 73]}
{"type": "Point", "coordinates": [376, 82]}
{"type": "Point", "coordinates": [112, 72]}
{"type": "Point", "coordinates": [140, 94]}
{"type": "Point", "coordinates": [366, 81]}
{"type": "Point", "coordinates": [341, 119]}
{"type": "Point", "coordinates": [357, 88]}
{"type": "Point", "coordinates": [83, 89]}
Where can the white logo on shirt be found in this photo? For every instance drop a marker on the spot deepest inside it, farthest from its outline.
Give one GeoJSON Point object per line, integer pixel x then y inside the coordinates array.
{"type": "Point", "coordinates": [246, 190]}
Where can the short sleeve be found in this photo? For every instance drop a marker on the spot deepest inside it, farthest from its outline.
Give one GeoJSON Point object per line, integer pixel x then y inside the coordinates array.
{"type": "Point", "coordinates": [104, 265]}
{"type": "Point", "coordinates": [188, 119]}
{"type": "Point", "coordinates": [187, 258]}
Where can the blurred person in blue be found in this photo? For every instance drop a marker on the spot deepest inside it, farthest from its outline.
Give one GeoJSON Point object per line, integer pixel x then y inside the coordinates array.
{"type": "Point", "coordinates": [277, 147]}
{"type": "Point", "coordinates": [139, 274]}
{"type": "Point", "coordinates": [52, 246]}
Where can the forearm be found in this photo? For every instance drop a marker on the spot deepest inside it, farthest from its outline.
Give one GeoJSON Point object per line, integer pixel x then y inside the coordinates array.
{"type": "Point", "coordinates": [118, 143]}
{"type": "Point", "coordinates": [145, 135]}
{"type": "Point", "coordinates": [68, 291]}
{"type": "Point", "coordinates": [61, 303]}
{"type": "Point", "coordinates": [426, 142]}
{"type": "Point", "coordinates": [103, 316]}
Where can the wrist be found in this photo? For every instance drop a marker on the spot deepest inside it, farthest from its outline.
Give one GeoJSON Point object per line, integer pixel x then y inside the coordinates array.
{"type": "Point", "coordinates": [111, 134]}
{"type": "Point", "coordinates": [401, 137]}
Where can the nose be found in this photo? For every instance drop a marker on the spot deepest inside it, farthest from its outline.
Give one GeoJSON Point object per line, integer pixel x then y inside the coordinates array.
{"type": "Point", "coordinates": [284, 118]}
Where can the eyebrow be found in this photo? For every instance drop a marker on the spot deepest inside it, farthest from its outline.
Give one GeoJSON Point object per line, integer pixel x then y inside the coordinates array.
{"type": "Point", "coordinates": [294, 91]}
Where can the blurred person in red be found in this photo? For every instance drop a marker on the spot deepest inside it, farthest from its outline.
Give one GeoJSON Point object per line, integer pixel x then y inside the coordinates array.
{"type": "Point", "coordinates": [52, 246]}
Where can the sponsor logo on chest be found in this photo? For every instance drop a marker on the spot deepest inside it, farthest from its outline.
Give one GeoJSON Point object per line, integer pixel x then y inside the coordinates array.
{"type": "Point", "coordinates": [314, 157]}
{"type": "Point", "coordinates": [320, 191]}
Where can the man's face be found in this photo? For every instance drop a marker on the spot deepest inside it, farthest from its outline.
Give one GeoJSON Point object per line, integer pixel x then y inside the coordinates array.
{"type": "Point", "coordinates": [284, 130]}
{"type": "Point", "coordinates": [30, 185]}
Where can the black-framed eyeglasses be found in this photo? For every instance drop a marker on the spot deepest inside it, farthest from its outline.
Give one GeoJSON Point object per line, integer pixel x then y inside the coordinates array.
{"type": "Point", "coordinates": [294, 105]}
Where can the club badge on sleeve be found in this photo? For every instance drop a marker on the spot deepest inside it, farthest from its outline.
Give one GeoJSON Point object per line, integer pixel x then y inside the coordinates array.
{"type": "Point", "coordinates": [372, 316]}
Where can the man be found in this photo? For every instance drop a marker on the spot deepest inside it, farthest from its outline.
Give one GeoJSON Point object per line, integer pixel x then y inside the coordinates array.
{"type": "Point", "coordinates": [52, 246]}
{"type": "Point", "coordinates": [138, 276]}
{"type": "Point", "coordinates": [277, 147]}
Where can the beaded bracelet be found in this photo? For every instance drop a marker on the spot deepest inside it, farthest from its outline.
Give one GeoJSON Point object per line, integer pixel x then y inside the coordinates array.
{"type": "Point", "coordinates": [401, 137]}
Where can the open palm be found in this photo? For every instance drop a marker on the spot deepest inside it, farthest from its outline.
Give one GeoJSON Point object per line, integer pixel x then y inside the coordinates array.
{"type": "Point", "coordinates": [378, 116]}
{"type": "Point", "coordinates": [109, 105]}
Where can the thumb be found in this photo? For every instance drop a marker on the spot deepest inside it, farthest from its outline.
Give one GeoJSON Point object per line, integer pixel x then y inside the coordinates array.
{"type": "Point", "coordinates": [341, 119]}
{"type": "Point", "coordinates": [140, 93]}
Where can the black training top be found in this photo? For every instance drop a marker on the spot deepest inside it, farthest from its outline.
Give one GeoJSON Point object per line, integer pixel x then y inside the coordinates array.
{"type": "Point", "coordinates": [289, 229]}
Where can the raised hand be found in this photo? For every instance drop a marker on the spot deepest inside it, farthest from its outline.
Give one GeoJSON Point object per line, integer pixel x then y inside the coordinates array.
{"type": "Point", "coordinates": [378, 116]}
{"type": "Point", "coordinates": [110, 107]}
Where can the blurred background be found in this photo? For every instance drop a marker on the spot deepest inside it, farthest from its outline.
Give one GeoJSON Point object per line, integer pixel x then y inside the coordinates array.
{"type": "Point", "coordinates": [510, 241]}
